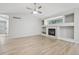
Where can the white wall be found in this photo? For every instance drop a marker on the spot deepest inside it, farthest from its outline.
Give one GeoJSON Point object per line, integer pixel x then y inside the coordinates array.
{"type": "Point", "coordinates": [27, 26]}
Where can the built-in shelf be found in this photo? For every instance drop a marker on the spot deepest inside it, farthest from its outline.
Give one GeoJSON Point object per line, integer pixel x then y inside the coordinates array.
{"type": "Point", "coordinates": [69, 18]}
{"type": "Point", "coordinates": [66, 32]}
{"type": "Point", "coordinates": [63, 25]}
{"type": "Point", "coordinates": [44, 26]}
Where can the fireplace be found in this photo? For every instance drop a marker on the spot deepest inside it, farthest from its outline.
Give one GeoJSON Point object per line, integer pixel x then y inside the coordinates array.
{"type": "Point", "coordinates": [52, 32]}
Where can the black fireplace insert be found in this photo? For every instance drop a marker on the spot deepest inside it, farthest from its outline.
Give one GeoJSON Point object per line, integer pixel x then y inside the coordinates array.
{"type": "Point", "coordinates": [51, 32]}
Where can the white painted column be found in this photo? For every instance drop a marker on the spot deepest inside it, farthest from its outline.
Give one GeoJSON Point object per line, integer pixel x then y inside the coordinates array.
{"type": "Point", "coordinates": [76, 25]}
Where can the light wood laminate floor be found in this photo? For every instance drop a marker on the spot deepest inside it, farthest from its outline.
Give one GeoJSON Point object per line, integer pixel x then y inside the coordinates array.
{"type": "Point", "coordinates": [38, 45]}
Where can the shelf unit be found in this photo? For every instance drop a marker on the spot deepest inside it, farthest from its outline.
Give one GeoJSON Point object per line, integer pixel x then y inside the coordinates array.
{"type": "Point", "coordinates": [64, 29]}
{"type": "Point", "coordinates": [63, 24]}
{"type": "Point", "coordinates": [66, 32]}
{"type": "Point", "coordinates": [44, 30]}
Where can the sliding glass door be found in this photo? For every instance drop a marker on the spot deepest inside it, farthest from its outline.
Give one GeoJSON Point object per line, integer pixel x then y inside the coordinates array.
{"type": "Point", "coordinates": [4, 24]}
{"type": "Point", "coordinates": [3, 27]}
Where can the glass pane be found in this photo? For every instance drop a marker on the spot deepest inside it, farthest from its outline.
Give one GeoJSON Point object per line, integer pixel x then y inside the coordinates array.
{"type": "Point", "coordinates": [2, 27]}
{"type": "Point", "coordinates": [55, 21]}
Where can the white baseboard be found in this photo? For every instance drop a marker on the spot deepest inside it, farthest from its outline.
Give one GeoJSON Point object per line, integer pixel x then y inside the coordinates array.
{"type": "Point", "coordinates": [65, 39]}
{"type": "Point", "coordinates": [19, 36]}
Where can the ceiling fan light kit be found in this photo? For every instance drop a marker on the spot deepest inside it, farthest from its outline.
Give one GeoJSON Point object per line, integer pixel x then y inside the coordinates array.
{"type": "Point", "coordinates": [35, 12]}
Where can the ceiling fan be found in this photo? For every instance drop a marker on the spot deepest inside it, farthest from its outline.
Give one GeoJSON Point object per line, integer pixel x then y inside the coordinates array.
{"type": "Point", "coordinates": [36, 9]}
{"type": "Point", "coordinates": [16, 17]}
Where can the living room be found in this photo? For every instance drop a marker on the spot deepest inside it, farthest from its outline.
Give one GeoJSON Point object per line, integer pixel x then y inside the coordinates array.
{"type": "Point", "coordinates": [39, 28]}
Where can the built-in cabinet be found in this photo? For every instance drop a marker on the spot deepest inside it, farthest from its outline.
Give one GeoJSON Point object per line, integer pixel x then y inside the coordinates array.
{"type": "Point", "coordinates": [66, 26]}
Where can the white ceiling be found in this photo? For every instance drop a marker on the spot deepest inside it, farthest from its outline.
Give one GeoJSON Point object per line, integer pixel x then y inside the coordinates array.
{"type": "Point", "coordinates": [47, 8]}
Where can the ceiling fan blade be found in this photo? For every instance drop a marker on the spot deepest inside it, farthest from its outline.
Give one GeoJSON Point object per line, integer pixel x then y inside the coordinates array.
{"type": "Point", "coordinates": [39, 7]}
{"type": "Point", "coordinates": [35, 4]}
{"type": "Point", "coordinates": [29, 8]}
{"type": "Point", "coordinates": [39, 12]}
{"type": "Point", "coordinates": [31, 12]}
{"type": "Point", "coordinates": [16, 17]}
